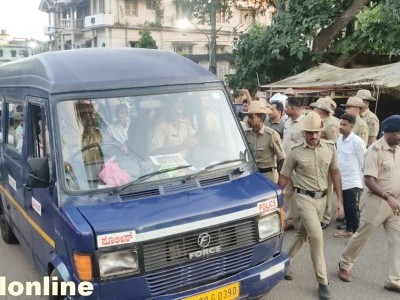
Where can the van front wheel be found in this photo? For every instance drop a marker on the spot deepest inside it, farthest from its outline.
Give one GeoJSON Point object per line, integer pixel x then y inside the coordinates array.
{"type": "Point", "coordinates": [6, 231]}
{"type": "Point", "coordinates": [53, 274]}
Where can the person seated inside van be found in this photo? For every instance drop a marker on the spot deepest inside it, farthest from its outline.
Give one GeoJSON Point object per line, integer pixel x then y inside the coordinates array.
{"type": "Point", "coordinates": [119, 129]}
{"type": "Point", "coordinates": [174, 133]}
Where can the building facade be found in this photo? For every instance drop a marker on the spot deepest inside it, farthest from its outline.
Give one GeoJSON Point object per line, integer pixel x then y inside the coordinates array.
{"type": "Point", "coordinates": [116, 23]}
{"type": "Point", "coordinates": [12, 48]}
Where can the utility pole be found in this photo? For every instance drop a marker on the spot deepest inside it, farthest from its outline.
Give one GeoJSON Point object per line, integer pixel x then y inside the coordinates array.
{"type": "Point", "coordinates": [213, 40]}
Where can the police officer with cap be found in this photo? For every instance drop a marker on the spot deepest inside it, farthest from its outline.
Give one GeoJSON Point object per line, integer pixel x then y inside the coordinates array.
{"type": "Point", "coordinates": [368, 116]}
{"type": "Point", "coordinates": [312, 160]}
{"type": "Point", "coordinates": [265, 143]}
{"type": "Point", "coordinates": [379, 203]}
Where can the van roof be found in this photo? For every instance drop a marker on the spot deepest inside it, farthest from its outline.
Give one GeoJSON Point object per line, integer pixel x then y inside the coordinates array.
{"type": "Point", "coordinates": [102, 68]}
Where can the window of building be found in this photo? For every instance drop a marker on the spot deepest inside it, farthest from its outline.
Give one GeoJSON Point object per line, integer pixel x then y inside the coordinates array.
{"type": "Point", "coordinates": [1, 52]}
{"type": "Point", "coordinates": [101, 6]}
{"type": "Point", "coordinates": [131, 7]}
{"type": "Point", "coordinates": [133, 44]}
{"type": "Point", "coordinates": [221, 17]}
{"type": "Point", "coordinates": [13, 53]}
{"type": "Point", "coordinates": [183, 48]}
{"type": "Point", "coordinates": [151, 4]}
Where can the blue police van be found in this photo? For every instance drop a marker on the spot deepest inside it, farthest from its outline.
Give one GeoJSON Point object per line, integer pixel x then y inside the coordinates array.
{"type": "Point", "coordinates": [127, 168]}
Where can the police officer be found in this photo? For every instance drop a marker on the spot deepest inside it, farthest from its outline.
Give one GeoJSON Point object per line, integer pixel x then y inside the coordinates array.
{"type": "Point", "coordinates": [265, 143]}
{"type": "Point", "coordinates": [368, 116]}
{"type": "Point", "coordinates": [292, 134]}
{"type": "Point", "coordinates": [312, 160]}
{"type": "Point", "coordinates": [325, 108]}
{"type": "Point", "coordinates": [379, 203]}
{"type": "Point", "coordinates": [353, 107]}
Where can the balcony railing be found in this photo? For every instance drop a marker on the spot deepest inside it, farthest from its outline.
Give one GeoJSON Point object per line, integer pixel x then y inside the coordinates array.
{"type": "Point", "coordinates": [71, 23]}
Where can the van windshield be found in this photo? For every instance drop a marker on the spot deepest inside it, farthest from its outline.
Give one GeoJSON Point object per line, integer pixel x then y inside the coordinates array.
{"type": "Point", "coordinates": [110, 142]}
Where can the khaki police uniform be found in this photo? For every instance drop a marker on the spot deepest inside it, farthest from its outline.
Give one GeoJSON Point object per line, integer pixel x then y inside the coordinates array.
{"type": "Point", "coordinates": [312, 166]}
{"type": "Point", "coordinates": [329, 132]}
{"type": "Point", "coordinates": [291, 136]}
{"type": "Point", "coordinates": [331, 128]}
{"type": "Point", "coordinates": [171, 134]}
{"type": "Point", "coordinates": [267, 149]}
{"type": "Point", "coordinates": [361, 129]}
{"type": "Point", "coordinates": [383, 163]}
{"type": "Point", "coordinates": [372, 121]}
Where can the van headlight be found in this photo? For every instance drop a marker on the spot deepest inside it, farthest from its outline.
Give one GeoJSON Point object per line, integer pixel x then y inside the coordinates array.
{"type": "Point", "coordinates": [119, 263]}
{"type": "Point", "coordinates": [268, 226]}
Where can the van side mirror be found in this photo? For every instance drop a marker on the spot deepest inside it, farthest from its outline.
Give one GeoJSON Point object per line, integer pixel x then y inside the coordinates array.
{"type": "Point", "coordinates": [38, 172]}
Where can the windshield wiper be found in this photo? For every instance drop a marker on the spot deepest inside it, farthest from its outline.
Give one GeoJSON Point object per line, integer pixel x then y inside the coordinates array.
{"type": "Point", "coordinates": [146, 176]}
{"type": "Point", "coordinates": [224, 162]}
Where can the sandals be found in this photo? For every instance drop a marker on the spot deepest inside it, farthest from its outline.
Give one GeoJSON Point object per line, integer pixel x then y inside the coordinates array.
{"type": "Point", "coordinates": [343, 234]}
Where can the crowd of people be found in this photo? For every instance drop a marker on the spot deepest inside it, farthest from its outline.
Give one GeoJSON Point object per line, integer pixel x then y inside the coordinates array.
{"type": "Point", "coordinates": [315, 153]}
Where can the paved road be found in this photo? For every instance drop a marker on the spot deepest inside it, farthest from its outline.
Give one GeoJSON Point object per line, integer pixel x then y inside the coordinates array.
{"type": "Point", "coordinates": [369, 272]}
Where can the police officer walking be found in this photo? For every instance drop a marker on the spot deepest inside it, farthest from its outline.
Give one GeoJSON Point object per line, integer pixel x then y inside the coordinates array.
{"type": "Point", "coordinates": [379, 203]}
{"type": "Point", "coordinates": [368, 116]}
{"type": "Point", "coordinates": [265, 143]}
{"type": "Point", "coordinates": [312, 160]}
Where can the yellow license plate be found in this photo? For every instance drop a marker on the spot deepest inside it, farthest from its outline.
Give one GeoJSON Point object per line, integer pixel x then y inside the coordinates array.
{"type": "Point", "coordinates": [227, 292]}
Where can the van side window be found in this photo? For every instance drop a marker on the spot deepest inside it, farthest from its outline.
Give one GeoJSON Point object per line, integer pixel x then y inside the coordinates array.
{"type": "Point", "coordinates": [40, 133]}
{"type": "Point", "coordinates": [1, 119]}
{"type": "Point", "coordinates": [15, 126]}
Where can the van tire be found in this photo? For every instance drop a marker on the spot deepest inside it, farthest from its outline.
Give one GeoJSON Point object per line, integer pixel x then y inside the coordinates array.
{"type": "Point", "coordinates": [55, 273]}
{"type": "Point", "coordinates": [7, 234]}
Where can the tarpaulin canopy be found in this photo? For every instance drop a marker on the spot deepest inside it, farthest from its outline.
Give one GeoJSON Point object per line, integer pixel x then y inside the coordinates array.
{"type": "Point", "coordinates": [382, 79]}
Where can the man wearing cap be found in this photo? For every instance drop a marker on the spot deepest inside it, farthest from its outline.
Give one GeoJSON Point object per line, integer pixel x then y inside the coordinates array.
{"type": "Point", "coordinates": [325, 107]}
{"type": "Point", "coordinates": [264, 142]}
{"type": "Point", "coordinates": [379, 203]}
{"type": "Point", "coordinates": [312, 160]}
{"type": "Point", "coordinates": [368, 116]}
{"type": "Point", "coordinates": [292, 135]}
{"type": "Point", "coordinates": [353, 107]}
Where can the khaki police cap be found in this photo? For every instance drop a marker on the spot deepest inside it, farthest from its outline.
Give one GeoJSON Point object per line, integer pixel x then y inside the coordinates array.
{"type": "Point", "coordinates": [258, 107]}
{"type": "Point", "coordinates": [312, 122]}
{"type": "Point", "coordinates": [355, 101]}
{"type": "Point", "coordinates": [365, 95]}
{"type": "Point", "coordinates": [326, 105]}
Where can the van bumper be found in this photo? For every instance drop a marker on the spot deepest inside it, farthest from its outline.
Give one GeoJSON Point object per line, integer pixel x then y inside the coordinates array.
{"type": "Point", "coordinates": [254, 282]}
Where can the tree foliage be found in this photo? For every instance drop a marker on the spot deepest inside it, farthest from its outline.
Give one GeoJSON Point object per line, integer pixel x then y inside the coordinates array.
{"type": "Point", "coordinates": [287, 46]}
{"type": "Point", "coordinates": [146, 40]}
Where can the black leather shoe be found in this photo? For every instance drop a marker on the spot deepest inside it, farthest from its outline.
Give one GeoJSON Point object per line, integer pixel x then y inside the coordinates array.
{"type": "Point", "coordinates": [392, 287]}
{"type": "Point", "coordinates": [289, 275]}
{"type": "Point", "coordinates": [341, 227]}
{"type": "Point", "coordinates": [323, 292]}
{"type": "Point", "coordinates": [324, 225]}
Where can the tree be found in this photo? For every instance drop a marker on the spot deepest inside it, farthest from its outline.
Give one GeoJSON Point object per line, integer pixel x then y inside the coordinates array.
{"type": "Point", "coordinates": [146, 40]}
{"type": "Point", "coordinates": [305, 32]}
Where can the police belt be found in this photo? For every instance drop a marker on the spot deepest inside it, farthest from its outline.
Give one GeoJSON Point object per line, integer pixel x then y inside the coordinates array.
{"type": "Point", "coordinates": [316, 195]}
{"type": "Point", "coordinates": [266, 170]}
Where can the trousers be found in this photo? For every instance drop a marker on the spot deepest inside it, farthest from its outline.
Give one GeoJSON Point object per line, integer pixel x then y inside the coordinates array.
{"type": "Point", "coordinates": [311, 212]}
{"type": "Point", "coordinates": [289, 204]}
{"type": "Point", "coordinates": [374, 212]}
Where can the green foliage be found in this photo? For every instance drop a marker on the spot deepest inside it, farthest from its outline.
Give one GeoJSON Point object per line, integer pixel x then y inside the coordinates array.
{"type": "Point", "coordinates": [284, 48]}
{"type": "Point", "coordinates": [146, 40]}
{"type": "Point", "coordinates": [377, 32]}
{"type": "Point", "coordinates": [159, 12]}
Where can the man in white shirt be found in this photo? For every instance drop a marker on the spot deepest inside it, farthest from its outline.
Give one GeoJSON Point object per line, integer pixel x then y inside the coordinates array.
{"type": "Point", "coordinates": [351, 150]}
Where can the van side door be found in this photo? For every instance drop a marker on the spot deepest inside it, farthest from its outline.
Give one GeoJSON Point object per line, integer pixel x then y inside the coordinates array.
{"type": "Point", "coordinates": [41, 202]}
{"type": "Point", "coordinates": [14, 153]}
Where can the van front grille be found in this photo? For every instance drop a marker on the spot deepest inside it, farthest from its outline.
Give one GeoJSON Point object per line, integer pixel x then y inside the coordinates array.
{"type": "Point", "coordinates": [183, 277]}
{"type": "Point", "coordinates": [181, 249]}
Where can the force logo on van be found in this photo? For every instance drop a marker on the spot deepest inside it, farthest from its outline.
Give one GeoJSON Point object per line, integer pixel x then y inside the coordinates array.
{"type": "Point", "coordinates": [114, 239]}
{"type": "Point", "coordinates": [267, 205]}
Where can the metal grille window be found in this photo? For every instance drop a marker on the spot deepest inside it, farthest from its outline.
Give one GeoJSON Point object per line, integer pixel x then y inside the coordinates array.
{"type": "Point", "coordinates": [131, 7]}
{"type": "Point", "coordinates": [151, 4]}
